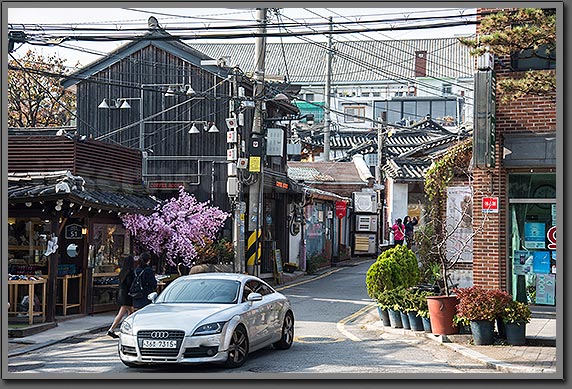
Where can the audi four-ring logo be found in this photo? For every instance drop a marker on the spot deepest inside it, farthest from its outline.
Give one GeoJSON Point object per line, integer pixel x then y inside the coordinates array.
{"type": "Point", "coordinates": [159, 334]}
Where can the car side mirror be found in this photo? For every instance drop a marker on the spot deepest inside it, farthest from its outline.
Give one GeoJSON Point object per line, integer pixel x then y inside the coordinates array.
{"type": "Point", "coordinates": [152, 296]}
{"type": "Point", "coordinates": [252, 297]}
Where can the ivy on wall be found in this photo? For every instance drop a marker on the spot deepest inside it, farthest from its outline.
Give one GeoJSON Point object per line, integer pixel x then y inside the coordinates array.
{"type": "Point", "coordinates": [454, 163]}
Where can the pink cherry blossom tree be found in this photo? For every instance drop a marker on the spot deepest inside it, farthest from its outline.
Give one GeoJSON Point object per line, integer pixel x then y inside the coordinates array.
{"type": "Point", "coordinates": [176, 228]}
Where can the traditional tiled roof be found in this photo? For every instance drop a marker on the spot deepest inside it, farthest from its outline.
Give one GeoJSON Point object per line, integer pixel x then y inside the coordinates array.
{"type": "Point", "coordinates": [62, 184]}
{"type": "Point", "coordinates": [324, 172]}
{"type": "Point", "coordinates": [354, 61]}
{"type": "Point", "coordinates": [408, 151]}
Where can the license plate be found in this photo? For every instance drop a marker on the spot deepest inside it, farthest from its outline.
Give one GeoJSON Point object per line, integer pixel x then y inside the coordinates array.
{"type": "Point", "coordinates": [159, 343]}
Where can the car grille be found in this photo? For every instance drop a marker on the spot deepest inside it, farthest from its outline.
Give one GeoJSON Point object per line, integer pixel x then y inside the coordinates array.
{"type": "Point", "coordinates": [160, 352]}
{"type": "Point", "coordinates": [202, 351]}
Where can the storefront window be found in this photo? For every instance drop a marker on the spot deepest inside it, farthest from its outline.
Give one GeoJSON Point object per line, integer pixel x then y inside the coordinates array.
{"type": "Point", "coordinates": [110, 243]}
{"type": "Point", "coordinates": [27, 245]}
{"type": "Point", "coordinates": [533, 237]}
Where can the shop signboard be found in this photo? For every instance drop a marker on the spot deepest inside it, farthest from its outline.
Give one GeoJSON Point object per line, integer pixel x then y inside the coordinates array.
{"type": "Point", "coordinates": [534, 237]}
{"type": "Point", "coordinates": [490, 205]}
{"type": "Point", "coordinates": [340, 209]}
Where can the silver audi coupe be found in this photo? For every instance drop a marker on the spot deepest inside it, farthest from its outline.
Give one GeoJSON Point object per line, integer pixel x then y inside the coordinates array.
{"type": "Point", "coordinates": [207, 317]}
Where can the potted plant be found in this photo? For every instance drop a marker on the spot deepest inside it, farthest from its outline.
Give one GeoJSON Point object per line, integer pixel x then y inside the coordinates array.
{"type": "Point", "coordinates": [418, 307]}
{"type": "Point", "coordinates": [515, 316]}
{"type": "Point", "coordinates": [383, 304]}
{"type": "Point", "coordinates": [405, 306]}
{"type": "Point", "coordinates": [439, 236]}
{"type": "Point", "coordinates": [463, 324]}
{"type": "Point", "coordinates": [481, 307]}
{"type": "Point", "coordinates": [394, 307]}
{"type": "Point", "coordinates": [394, 268]}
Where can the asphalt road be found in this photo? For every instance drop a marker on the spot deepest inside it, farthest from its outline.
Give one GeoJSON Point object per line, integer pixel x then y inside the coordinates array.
{"type": "Point", "coordinates": [328, 339]}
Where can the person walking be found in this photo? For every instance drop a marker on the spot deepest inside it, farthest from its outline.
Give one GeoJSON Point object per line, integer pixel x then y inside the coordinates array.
{"type": "Point", "coordinates": [409, 229]}
{"type": "Point", "coordinates": [398, 232]}
{"type": "Point", "coordinates": [125, 302]}
{"type": "Point", "coordinates": [147, 279]}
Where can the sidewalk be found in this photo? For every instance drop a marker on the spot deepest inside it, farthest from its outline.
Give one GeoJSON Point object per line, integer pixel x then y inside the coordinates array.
{"type": "Point", "coordinates": [537, 356]}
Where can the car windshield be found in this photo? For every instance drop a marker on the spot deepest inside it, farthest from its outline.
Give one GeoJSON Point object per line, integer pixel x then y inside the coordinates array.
{"type": "Point", "coordinates": [203, 291]}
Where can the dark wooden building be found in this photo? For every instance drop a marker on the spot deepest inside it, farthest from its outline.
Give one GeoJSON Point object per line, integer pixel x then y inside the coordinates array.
{"type": "Point", "coordinates": [162, 97]}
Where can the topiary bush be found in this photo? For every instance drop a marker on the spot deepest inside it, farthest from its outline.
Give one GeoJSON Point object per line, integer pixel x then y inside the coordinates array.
{"type": "Point", "coordinates": [395, 267]}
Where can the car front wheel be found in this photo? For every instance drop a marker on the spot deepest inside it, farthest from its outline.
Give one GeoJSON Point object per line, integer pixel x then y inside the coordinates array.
{"type": "Point", "coordinates": [237, 349]}
{"type": "Point", "coordinates": [287, 333]}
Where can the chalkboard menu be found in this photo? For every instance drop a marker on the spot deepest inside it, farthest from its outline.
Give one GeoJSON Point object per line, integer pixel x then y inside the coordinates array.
{"type": "Point", "coordinates": [278, 259]}
{"type": "Point", "coordinates": [278, 268]}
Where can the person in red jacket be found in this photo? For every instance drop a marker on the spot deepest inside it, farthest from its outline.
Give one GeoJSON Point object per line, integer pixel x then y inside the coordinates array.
{"type": "Point", "coordinates": [398, 232]}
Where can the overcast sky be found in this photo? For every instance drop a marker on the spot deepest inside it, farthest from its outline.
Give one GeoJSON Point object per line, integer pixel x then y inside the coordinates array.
{"type": "Point", "coordinates": [122, 18]}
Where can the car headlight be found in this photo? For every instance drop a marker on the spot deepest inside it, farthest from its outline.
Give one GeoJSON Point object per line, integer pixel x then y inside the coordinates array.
{"type": "Point", "coordinates": [126, 327]}
{"type": "Point", "coordinates": [209, 329]}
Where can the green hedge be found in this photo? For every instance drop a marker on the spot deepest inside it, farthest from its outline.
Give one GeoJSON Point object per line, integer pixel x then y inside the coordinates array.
{"type": "Point", "coordinates": [396, 267]}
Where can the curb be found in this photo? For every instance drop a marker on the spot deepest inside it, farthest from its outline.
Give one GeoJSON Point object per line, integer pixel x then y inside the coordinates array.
{"type": "Point", "coordinates": [505, 367]}
{"type": "Point", "coordinates": [34, 347]}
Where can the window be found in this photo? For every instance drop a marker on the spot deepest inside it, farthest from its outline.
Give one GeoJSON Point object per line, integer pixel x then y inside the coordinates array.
{"type": "Point", "coordinates": [541, 59]}
{"type": "Point", "coordinates": [447, 89]}
{"type": "Point", "coordinates": [309, 97]}
{"type": "Point", "coordinates": [354, 114]}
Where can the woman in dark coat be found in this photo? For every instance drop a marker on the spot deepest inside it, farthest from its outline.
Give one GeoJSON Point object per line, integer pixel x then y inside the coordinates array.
{"type": "Point", "coordinates": [126, 277]}
{"type": "Point", "coordinates": [148, 281]}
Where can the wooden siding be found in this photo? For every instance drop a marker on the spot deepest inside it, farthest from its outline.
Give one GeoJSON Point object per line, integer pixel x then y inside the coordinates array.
{"type": "Point", "coordinates": [89, 159]}
{"type": "Point", "coordinates": [40, 154]}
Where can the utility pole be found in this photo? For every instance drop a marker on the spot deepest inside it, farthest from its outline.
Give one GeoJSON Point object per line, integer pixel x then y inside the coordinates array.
{"type": "Point", "coordinates": [327, 93]}
{"type": "Point", "coordinates": [255, 193]}
{"type": "Point", "coordinates": [239, 205]}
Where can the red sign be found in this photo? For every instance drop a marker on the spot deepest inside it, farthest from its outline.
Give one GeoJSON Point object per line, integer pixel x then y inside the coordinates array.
{"type": "Point", "coordinates": [340, 209]}
{"type": "Point", "coordinates": [551, 235]}
{"type": "Point", "coordinates": [490, 205]}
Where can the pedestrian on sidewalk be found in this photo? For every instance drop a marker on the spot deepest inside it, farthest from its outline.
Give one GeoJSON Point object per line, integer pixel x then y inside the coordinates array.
{"type": "Point", "coordinates": [145, 274]}
{"type": "Point", "coordinates": [125, 302]}
{"type": "Point", "coordinates": [398, 232]}
{"type": "Point", "coordinates": [409, 226]}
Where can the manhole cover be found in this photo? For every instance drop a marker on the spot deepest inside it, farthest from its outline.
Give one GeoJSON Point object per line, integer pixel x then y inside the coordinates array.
{"type": "Point", "coordinates": [318, 339]}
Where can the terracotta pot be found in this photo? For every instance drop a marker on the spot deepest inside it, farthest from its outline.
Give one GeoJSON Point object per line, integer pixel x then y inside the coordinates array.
{"type": "Point", "coordinates": [441, 312]}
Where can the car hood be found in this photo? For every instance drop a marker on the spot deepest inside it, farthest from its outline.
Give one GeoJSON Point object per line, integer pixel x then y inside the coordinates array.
{"type": "Point", "coordinates": [180, 316]}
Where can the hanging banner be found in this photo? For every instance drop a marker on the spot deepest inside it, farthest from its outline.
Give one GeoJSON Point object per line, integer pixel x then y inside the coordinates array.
{"type": "Point", "coordinates": [340, 209]}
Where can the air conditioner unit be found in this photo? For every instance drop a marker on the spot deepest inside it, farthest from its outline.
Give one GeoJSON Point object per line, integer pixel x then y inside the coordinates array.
{"type": "Point", "coordinates": [365, 202]}
{"type": "Point", "coordinates": [366, 223]}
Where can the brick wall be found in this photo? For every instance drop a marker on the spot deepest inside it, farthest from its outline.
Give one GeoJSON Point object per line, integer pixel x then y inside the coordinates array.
{"type": "Point", "coordinates": [530, 114]}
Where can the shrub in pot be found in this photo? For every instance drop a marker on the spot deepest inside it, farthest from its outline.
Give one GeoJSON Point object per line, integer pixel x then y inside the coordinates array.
{"type": "Point", "coordinates": [515, 316]}
{"type": "Point", "coordinates": [481, 307]}
{"type": "Point", "coordinates": [383, 304]}
{"type": "Point", "coordinates": [394, 268]}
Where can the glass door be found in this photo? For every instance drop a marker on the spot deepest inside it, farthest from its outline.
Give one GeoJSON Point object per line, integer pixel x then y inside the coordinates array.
{"type": "Point", "coordinates": [532, 250]}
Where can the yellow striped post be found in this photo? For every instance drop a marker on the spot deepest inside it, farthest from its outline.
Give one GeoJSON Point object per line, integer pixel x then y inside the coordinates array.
{"type": "Point", "coordinates": [251, 251]}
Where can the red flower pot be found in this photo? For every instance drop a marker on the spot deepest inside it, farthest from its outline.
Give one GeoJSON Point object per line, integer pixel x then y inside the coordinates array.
{"type": "Point", "coordinates": [441, 312]}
